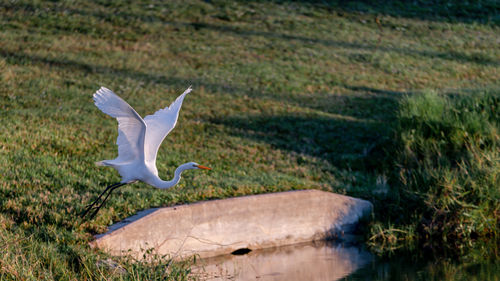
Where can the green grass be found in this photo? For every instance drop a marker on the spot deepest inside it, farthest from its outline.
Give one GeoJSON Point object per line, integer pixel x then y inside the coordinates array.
{"type": "Point", "coordinates": [445, 171]}
{"type": "Point", "coordinates": [287, 95]}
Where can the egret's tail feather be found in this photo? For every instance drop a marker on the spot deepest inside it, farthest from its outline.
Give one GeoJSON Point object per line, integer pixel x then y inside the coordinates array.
{"type": "Point", "coordinates": [102, 163]}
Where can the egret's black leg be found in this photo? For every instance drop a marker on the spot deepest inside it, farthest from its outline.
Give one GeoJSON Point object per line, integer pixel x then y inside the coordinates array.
{"type": "Point", "coordinates": [105, 198]}
{"type": "Point", "coordinates": [91, 206]}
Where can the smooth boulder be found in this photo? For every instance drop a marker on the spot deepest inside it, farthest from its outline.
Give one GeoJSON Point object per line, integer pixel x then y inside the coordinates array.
{"type": "Point", "coordinates": [217, 227]}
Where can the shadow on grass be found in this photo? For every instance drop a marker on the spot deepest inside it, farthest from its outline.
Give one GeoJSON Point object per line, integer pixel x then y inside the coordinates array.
{"type": "Point", "coordinates": [479, 11]}
{"type": "Point", "coordinates": [342, 140]}
{"type": "Point", "coordinates": [419, 9]}
{"type": "Point", "coordinates": [360, 107]}
{"type": "Point", "coordinates": [374, 105]}
{"type": "Point", "coordinates": [19, 58]}
{"type": "Point", "coordinates": [451, 55]}
{"type": "Point", "coordinates": [351, 132]}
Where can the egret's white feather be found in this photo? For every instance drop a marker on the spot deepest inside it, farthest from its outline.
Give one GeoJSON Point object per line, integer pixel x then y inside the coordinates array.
{"type": "Point", "coordinates": [159, 125]}
{"type": "Point", "coordinates": [131, 127]}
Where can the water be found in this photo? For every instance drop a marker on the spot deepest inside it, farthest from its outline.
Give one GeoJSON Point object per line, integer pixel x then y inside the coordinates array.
{"type": "Point", "coordinates": [333, 261]}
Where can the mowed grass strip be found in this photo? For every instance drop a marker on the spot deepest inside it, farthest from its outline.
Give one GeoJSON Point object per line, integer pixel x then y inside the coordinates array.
{"type": "Point", "coordinates": [286, 96]}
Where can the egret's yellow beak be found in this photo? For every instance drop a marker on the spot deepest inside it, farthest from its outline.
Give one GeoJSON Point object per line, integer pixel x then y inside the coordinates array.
{"type": "Point", "coordinates": [203, 167]}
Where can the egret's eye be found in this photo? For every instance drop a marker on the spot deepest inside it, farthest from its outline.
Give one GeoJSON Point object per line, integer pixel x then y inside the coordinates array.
{"type": "Point", "coordinates": [194, 166]}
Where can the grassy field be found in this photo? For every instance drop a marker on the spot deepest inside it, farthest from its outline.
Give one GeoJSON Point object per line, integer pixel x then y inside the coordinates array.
{"type": "Point", "coordinates": [287, 95]}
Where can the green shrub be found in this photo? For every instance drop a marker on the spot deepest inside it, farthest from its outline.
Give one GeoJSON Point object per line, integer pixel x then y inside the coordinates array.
{"type": "Point", "coordinates": [447, 167]}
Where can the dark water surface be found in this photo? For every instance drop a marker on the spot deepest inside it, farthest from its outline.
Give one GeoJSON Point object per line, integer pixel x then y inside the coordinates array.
{"type": "Point", "coordinates": [334, 261]}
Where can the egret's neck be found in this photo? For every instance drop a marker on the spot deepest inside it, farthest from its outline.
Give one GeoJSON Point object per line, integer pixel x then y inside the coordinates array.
{"type": "Point", "coordinates": [159, 183]}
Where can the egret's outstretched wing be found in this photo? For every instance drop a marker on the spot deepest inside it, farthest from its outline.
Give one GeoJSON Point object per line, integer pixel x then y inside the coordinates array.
{"type": "Point", "coordinates": [131, 127]}
{"type": "Point", "coordinates": [159, 125]}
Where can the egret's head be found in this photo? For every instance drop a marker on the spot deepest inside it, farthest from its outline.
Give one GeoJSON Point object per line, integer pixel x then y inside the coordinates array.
{"type": "Point", "coordinates": [193, 165]}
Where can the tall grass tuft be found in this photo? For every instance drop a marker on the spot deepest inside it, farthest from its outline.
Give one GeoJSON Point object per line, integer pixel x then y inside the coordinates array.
{"type": "Point", "coordinates": [447, 168]}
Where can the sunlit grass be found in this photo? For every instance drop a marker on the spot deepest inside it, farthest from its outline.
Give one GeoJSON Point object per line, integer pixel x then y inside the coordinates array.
{"type": "Point", "coordinates": [286, 96]}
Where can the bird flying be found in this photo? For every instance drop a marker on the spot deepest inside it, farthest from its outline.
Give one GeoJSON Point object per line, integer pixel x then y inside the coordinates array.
{"type": "Point", "coordinates": [138, 142]}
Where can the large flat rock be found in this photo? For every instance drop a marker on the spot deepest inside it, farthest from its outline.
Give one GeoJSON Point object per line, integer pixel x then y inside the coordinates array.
{"type": "Point", "coordinates": [218, 227]}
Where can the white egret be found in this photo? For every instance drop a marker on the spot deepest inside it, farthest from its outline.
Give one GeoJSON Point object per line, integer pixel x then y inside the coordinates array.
{"type": "Point", "coordinates": [138, 142]}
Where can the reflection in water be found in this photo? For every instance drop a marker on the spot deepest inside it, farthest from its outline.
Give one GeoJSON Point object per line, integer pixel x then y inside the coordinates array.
{"type": "Point", "coordinates": [309, 261]}
{"type": "Point", "coordinates": [331, 261]}
{"type": "Point", "coordinates": [418, 266]}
